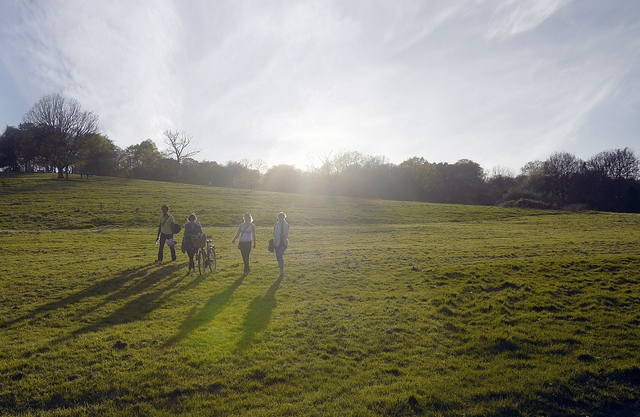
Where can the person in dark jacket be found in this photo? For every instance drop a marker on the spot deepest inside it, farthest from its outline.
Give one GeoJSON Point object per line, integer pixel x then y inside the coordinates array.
{"type": "Point", "coordinates": [191, 229]}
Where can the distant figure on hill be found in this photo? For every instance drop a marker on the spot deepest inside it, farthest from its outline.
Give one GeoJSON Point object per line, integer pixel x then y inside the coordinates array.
{"type": "Point", "coordinates": [247, 234]}
{"type": "Point", "coordinates": [281, 240]}
{"type": "Point", "coordinates": [191, 229]}
{"type": "Point", "coordinates": [165, 232]}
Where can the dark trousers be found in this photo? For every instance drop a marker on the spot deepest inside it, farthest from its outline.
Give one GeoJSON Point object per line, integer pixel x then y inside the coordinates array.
{"type": "Point", "coordinates": [245, 250]}
{"type": "Point", "coordinates": [191, 252]}
{"type": "Point", "coordinates": [163, 239]}
{"type": "Point", "coordinates": [280, 257]}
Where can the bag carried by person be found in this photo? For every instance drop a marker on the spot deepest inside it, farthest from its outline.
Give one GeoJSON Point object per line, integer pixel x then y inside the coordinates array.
{"type": "Point", "coordinates": [200, 241]}
{"type": "Point", "coordinates": [272, 246]}
{"type": "Point", "coordinates": [176, 228]}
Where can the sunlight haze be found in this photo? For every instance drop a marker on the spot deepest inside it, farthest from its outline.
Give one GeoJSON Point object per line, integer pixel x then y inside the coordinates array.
{"type": "Point", "coordinates": [289, 82]}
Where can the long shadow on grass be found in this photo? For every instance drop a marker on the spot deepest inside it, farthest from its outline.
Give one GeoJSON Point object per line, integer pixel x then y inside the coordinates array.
{"type": "Point", "coordinates": [213, 307]}
{"type": "Point", "coordinates": [142, 301]}
{"type": "Point", "coordinates": [142, 285]}
{"type": "Point", "coordinates": [138, 307]}
{"type": "Point", "coordinates": [259, 315]}
{"type": "Point", "coordinates": [115, 288]}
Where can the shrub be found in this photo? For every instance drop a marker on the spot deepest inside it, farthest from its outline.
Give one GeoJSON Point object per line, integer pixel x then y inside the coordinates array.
{"type": "Point", "coordinates": [527, 203]}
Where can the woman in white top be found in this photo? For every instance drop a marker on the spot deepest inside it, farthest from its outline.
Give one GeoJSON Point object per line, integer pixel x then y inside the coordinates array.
{"type": "Point", "coordinates": [247, 234]}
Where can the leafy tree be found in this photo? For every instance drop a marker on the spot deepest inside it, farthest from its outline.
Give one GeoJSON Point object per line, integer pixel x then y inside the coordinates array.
{"type": "Point", "coordinates": [366, 176]}
{"type": "Point", "coordinates": [29, 152]}
{"type": "Point", "coordinates": [461, 183]}
{"type": "Point", "coordinates": [62, 122]}
{"type": "Point", "coordinates": [325, 179]}
{"type": "Point", "coordinates": [9, 144]}
{"type": "Point", "coordinates": [530, 183]}
{"type": "Point", "coordinates": [143, 160]}
{"type": "Point", "coordinates": [240, 175]}
{"type": "Point", "coordinates": [20, 149]}
{"type": "Point", "coordinates": [98, 156]}
{"type": "Point", "coordinates": [385, 180]}
{"type": "Point", "coordinates": [532, 168]}
{"type": "Point", "coordinates": [210, 173]}
{"type": "Point", "coordinates": [347, 174]}
{"type": "Point", "coordinates": [499, 183]}
{"type": "Point", "coordinates": [608, 181]}
{"type": "Point", "coordinates": [283, 178]}
{"type": "Point", "coordinates": [422, 178]}
{"type": "Point", "coordinates": [558, 171]}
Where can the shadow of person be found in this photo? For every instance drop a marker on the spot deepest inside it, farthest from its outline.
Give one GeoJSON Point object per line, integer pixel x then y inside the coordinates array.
{"type": "Point", "coordinates": [143, 298]}
{"type": "Point", "coordinates": [259, 315]}
{"type": "Point", "coordinates": [143, 284]}
{"type": "Point", "coordinates": [136, 292]}
{"type": "Point", "coordinates": [120, 286]}
{"type": "Point", "coordinates": [213, 307]}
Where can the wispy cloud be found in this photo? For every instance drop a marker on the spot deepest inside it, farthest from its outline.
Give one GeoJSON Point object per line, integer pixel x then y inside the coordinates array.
{"type": "Point", "coordinates": [512, 17]}
{"type": "Point", "coordinates": [501, 83]}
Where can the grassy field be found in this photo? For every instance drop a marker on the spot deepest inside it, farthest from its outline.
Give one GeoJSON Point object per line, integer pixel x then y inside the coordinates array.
{"type": "Point", "coordinates": [386, 309]}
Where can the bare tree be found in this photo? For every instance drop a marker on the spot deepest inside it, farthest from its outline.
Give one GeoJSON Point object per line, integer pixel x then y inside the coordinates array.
{"type": "Point", "coordinates": [259, 165]}
{"type": "Point", "coordinates": [498, 171]}
{"type": "Point", "coordinates": [66, 126]}
{"type": "Point", "coordinates": [179, 142]}
{"type": "Point", "coordinates": [617, 164]}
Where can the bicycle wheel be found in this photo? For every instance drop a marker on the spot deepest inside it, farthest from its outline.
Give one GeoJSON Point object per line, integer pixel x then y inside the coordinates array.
{"type": "Point", "coordinates": [201, 255]}
{"type": "Point", "coordinates": [212, 259]}
{"type": "Point", "coordinates": [206, 262]}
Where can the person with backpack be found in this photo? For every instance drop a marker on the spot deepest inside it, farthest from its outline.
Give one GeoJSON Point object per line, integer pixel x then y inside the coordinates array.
{"type": "Point", "coordinates": [192, 229]}
{"type": "Point", "coordinates": [247, 234]}
{"type": "Point", "coordinates": [165, 233]}
{"type": "Point", "coordinates": [281, 240]}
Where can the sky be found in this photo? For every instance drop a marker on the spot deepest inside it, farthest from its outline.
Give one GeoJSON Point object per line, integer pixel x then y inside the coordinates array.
{"type": "Point", "coordinates": [499, 82]}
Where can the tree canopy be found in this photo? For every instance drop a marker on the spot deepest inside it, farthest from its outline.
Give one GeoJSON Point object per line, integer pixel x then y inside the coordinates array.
{"type": "Point", "coordinates": [58, 136]}
{"type": "Point", "coordinates": [62, 128]}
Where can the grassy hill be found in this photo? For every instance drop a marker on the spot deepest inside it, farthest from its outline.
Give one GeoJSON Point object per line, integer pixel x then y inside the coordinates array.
{"type": "Point", "coordinates": [387, 308]}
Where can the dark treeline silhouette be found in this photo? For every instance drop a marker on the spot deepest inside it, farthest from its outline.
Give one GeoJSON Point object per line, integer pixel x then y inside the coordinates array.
{"type": "Point", "coordinates": [609, 181]}
{"type": "Point", "coordinates": [58, 136]}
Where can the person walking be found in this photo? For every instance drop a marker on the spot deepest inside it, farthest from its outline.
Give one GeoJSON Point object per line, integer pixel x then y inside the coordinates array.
{"type": "Point", "coordinates": [281, 240]}
{"type": "Point", "coordinates": [165, 232]}
{"type": "Point", "coordinates": [247, 234]}
{"type": "Point", "coordinates": [191, 229]}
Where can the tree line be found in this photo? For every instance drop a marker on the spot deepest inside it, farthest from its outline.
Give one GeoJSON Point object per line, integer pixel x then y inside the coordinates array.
{"type": "Point", "coordinates": [56, 135]}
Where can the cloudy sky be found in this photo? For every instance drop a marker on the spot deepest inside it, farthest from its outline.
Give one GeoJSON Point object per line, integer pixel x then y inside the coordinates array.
{"type": "Point", "coordinates": [500, 82]}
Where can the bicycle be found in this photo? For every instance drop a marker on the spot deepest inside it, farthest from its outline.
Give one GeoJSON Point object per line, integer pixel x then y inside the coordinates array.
{"type": "Point", "coordinates": [207, 257]}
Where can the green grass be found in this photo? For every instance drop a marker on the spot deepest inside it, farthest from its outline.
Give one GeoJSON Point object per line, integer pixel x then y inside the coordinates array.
{"type": "Point", "coordinates": [387, 308]}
